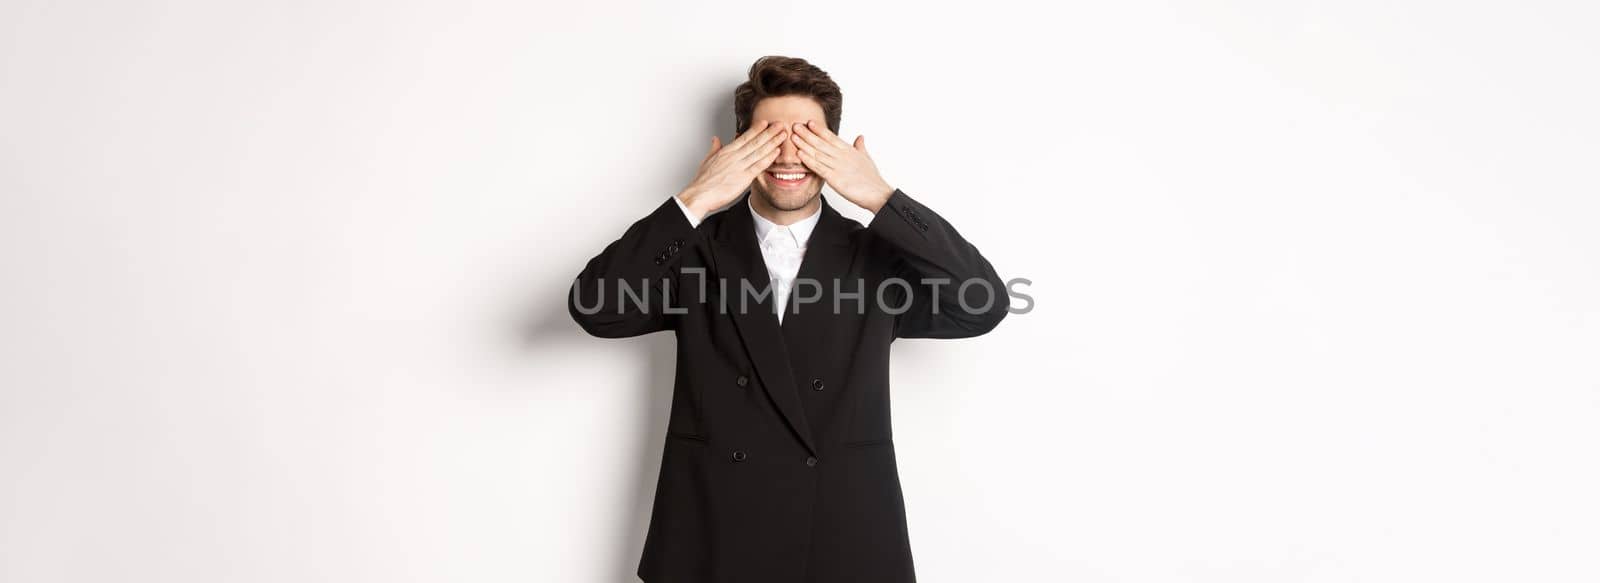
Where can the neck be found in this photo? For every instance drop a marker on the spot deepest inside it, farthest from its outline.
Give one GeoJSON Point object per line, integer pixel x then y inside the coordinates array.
{"type": "Point", "coordinates": [783, 217]}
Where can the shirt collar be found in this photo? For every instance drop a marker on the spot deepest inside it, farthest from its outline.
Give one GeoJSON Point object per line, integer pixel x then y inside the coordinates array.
{"type": "Point", "coordinates": [800, 230]}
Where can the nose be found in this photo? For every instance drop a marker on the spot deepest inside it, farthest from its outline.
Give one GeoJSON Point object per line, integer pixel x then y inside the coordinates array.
{"type": "Point", "coordinates": [788, 153]}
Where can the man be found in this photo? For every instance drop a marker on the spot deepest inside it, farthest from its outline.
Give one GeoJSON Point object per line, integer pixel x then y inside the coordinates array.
{"type": "Point", "coordinates": [778, 465]}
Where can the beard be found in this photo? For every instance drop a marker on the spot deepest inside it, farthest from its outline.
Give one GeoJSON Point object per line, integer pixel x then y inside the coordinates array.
{"type": "Point", "coordinates": [786, 200]}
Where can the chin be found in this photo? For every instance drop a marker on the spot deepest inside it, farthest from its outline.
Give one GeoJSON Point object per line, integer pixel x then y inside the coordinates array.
{"type": "Point", "coordinates": [786, 201]}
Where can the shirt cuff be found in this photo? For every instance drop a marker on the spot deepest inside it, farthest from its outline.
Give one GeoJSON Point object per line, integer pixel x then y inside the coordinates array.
{"type": "Point", "coordinates": [693, 222]}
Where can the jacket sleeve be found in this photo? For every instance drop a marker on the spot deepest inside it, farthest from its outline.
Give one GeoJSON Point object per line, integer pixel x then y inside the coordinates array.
{"type": "Point", "coordinates": [623, 291]}
{"type": "Point", "coordinates": [955, 292]}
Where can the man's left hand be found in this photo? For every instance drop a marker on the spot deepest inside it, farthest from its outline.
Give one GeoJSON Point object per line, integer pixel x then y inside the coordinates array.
{"type": "Point", "coordinates": [846, 168]}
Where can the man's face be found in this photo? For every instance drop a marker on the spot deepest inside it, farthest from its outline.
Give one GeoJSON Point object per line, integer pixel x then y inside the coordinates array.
{"type": "Point", "coordinates": [804, 185]}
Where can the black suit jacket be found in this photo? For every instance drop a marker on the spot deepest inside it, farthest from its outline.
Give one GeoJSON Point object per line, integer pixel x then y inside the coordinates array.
{"type": "Point", "coordinates": [779, 462]}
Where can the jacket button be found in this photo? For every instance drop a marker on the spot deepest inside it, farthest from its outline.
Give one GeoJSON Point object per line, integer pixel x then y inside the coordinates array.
{"type": "Point", "coordinates": [743, 380]}
{"type": "Point", "coordinates": [811, 461]}
{"type": "Point", "coordinates": [739, 456]}
{"type": "Point", "coordinates": [816, 384]}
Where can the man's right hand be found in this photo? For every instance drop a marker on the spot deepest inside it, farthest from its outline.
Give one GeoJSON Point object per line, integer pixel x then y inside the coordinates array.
{"type": "Point", "coordinates": [726, 172]}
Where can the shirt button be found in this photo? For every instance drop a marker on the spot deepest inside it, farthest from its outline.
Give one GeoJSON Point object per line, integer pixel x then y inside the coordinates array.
{"type": "Point", "coordinates": [739, 456]}
{"type": "Point", "coordinates": [743, 380]}
{"type": "Point", "coordinates": [816, 384]}
{"type": "Point", "coordinates": [811, 461]}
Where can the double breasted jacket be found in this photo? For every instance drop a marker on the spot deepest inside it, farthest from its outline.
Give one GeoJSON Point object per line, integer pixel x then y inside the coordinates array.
{"type": "Point", "coordinates": [779, 462]}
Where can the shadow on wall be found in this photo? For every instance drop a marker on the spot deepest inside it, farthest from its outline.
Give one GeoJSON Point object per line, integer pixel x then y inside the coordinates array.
{"type": "Point", "coordinates": [548, 328]}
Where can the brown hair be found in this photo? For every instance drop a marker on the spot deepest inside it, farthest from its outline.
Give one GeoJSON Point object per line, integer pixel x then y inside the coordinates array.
{"type": "Point", "coordinates": [775, 76]}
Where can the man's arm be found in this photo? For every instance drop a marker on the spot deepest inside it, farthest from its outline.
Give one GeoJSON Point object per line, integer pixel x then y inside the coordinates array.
{"type": "Point", "coordinates": [623, 291]}
{"type": "Point", "coordinates": [962, 297]}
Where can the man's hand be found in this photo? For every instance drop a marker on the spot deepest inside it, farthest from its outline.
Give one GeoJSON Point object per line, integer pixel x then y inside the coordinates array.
{"type": "Point", "coordinates": [847, 168]}
{"type": "Point", "coordinates": [726, 172]}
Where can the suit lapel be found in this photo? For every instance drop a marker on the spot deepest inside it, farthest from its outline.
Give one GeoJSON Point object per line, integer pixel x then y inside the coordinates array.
{"type": "Point", "coordinates": [740, 264]}
{"type": "Point", "coordinates": [737, 256]}
{"type": "Point", "coordinates": [827, 257]}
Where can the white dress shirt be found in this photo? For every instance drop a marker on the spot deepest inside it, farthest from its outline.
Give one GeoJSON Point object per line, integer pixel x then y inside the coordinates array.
{"type": "Point", "coordinates": [782, 248]}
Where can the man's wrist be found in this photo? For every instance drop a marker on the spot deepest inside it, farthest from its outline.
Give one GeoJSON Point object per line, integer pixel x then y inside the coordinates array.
{"type": "Point", "coordinates": [876, 203]}
{"type": "Point", "coordinates": [688, 215]}
{"type": "Point", "coordinates": [695, 202]}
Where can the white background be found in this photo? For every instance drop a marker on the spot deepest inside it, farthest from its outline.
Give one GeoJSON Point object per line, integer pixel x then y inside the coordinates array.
{"type": "Point", "coordinates": [1316, 284]}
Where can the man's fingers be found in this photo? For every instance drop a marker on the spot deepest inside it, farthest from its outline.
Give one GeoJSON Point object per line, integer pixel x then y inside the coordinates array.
{"type": "Point", "coordinates": [759, 164]}
{"type": "Point", "coordinates": [767, 146]}
{"type": "Point", "coordinates": [820, 147]}
{"type": "Point", "coordinates": [750, 132]}
{"type": "Point", "coordinates": [827, 135]}
{"type": "Point", "coordinates": [753, 136]}
{"type": "Point", "coordinates": [810, 161]}
{"type": "Point", "coordinates": [810, 144]}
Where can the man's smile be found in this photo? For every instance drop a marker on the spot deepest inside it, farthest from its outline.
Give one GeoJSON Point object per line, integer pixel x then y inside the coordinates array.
{"type": "Point", "coordinates": [788, 178]}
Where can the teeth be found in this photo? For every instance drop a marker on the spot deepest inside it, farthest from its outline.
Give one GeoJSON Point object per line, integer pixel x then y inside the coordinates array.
{"type": "Point", "coordinates": [789, 176]}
